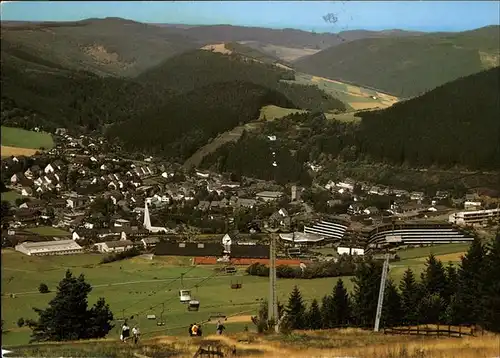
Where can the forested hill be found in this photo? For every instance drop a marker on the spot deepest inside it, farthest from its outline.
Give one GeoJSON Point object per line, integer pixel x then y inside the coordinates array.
{"type": "Point", "coordinates": [455, 124]}
{"type": "Point", "coordinates": [85, 101]}
{"type": "Point", "coordinates": [186, 122]}
{"type": "Point", "coordinates": [407, 66]}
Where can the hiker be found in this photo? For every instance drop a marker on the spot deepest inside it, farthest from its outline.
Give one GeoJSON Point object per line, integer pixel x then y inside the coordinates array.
{"type": "Point", "coordinates": [136, 333]}
{"type": "Point", "coordinates": [199, 332]}
{"type": "Point", "coordinates": [220, 328]}
{"type": "Point", "coordinates": [125, 332]}
{"type": "Point", "coordinates": [194, 330]}
{"type": "Point", "coordinates": [191, 329]}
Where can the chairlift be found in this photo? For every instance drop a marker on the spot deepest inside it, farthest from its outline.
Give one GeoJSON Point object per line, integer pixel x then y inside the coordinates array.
{"type": "Point", "coordinates": [293, 251]}
{"type": "Point", "coordinates": [236, 285]}
{"type": "Point", "coordinates": [231, 269]}
{"type": "Point", "coordinates": [184, 296]}
{"type": "Point", "coordinates": [194, 305]}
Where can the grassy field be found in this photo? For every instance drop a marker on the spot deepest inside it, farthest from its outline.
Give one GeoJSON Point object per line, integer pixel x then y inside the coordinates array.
{"type": "Point", "coordinates": [7, 151]}
{"type": "Point", "coordinates": [139, 287]}
{"type": "Point", "coordinates": [48, 231]}
{"type": "Point", "coordinates": [272, 112]}
{"type": "Point", "coordinates": [10, 196]}
{"type": "Point", "coordinates": [357, 98]}
{"type": "Point", "coordinates": [21, 138]}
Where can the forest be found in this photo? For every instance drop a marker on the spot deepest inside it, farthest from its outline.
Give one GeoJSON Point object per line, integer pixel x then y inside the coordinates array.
{"type": "Point", "coordinates": [463, 294]}
{"type": "Point", "coordinates": [455, 125]}
{"type": "Point", "coordinates": [53, 96]}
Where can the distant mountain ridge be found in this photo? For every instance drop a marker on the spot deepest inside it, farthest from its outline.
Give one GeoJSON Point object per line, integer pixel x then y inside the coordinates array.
{"type": "Point", "coordinates": [407, 66]}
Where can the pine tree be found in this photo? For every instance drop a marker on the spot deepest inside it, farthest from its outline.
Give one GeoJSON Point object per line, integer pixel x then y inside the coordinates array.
{"type": "Point", "coordinates": [341, 305]}
{"type": "Point", "coordinates": [410, 296]}
{"type": "Point", "coordinates": [452, 282]}
{"type": "Point", "coordinates": [491, 293]}
{"type": "Point", "coordinates": [67, 317]}
{"type": "Point", "coordinates": [391, 310]}
{"type": "Point", "coordinates": [314, 316]}
{"type": "Point", "coordinates": [327, 312]}
{"type": "Point", "coordinates": [296, 310]}
{"type": "Point", "coordinates": [432, 309]}
{"type": "Point", "coordinates": [468, 308]}
{"type": "Point", "coordinates": [366, 289]}
{"type": "Point", "coordinates": [434, 277]}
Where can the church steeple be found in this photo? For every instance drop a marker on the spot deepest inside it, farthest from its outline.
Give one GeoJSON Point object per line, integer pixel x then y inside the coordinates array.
{"type": "Point", "coordinates": [147, 220]}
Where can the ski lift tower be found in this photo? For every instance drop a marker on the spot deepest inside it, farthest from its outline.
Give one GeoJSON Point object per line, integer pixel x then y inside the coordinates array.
{"type": "Point", "coordinates": [383, 279]}
{"type": "Point", "coordinates": [272, 311]}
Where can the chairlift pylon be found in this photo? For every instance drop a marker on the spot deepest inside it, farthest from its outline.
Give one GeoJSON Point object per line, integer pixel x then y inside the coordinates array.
{"type": "Point", "coordinates": [161, 322]}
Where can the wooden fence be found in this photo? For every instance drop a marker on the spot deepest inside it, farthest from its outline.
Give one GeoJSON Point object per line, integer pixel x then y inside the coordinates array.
{"type": "Point", "coordinates": [436, 330]}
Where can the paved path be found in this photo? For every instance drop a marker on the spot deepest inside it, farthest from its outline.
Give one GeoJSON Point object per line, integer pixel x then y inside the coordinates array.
{"type": "Point", "coordinates": [136, 282]}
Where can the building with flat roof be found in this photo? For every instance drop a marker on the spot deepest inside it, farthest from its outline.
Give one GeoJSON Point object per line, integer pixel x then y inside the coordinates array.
{"type": "Point", "coordinates": [474, 217]}
{"type": "Point", "coordinates": [62, 247]}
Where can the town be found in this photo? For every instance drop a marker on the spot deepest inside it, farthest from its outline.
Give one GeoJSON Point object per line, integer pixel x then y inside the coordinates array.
{"type": "Point", "coordinates": [85, 195]}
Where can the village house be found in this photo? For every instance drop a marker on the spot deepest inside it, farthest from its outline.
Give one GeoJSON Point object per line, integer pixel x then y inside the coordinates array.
{"type": "Point", "coordinates": [62, 247]}
{"type": "Point", "coordinates": [114, 246]}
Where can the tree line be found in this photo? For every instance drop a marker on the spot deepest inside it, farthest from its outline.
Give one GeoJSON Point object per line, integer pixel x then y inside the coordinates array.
{"type": "Point", "coordinates": [463, 294]}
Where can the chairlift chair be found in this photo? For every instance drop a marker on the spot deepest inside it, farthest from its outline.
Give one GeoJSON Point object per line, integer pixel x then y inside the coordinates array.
{"type": "Point", "coordinates": [184, 296]}
{"type": "Point", "coordinates": [194, 305]}
{"type": "Point", "coordinates": [236, 285]}
{"type": "Point", "coordinates": [231, 269]}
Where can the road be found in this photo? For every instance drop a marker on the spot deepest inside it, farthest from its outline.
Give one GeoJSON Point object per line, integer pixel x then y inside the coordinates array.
{"type": "Point", "coordinates": [172, 279]}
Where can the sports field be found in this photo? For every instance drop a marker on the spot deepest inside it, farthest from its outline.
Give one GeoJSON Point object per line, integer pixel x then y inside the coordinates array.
{"type": "Point", "coordinates": [138, 287]}
{"type": "Point", "coordinates": [17, 141]}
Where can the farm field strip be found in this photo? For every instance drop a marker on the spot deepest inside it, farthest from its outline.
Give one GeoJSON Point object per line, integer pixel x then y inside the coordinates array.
{"type": "Point", "coordinates": [22, 138]}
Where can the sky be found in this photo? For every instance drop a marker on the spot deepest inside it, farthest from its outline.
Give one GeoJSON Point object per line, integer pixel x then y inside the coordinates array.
{"type": "Point", "coordinates": [305, 15]}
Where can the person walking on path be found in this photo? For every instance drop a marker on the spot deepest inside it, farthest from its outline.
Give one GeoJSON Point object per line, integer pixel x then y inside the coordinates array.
{"type": "Point", "coordinates": [220, 328]}
{"type": "Point", "coordinates": [136, 333]}
{"type": "Point", "coordinates": [125, 332]}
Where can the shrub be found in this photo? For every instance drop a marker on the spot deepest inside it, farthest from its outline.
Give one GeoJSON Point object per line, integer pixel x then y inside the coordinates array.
{"type": "Point", "coordinates": [344, 266]}
{"type": "Point", "coordinates": [43, 288]}
{"type": "Point", "coordinates": [20, 322]}
{"type": "Point", "coordinates": [118, 256]}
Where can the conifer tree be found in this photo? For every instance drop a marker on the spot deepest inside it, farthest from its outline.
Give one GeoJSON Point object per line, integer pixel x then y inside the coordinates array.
{"type": "Point", "coordinates": [433, 277]}
{"type": "Point", "coordinates": [391, 310]}
{"type": "Point", "coordinates": [467, 306]}
{"type": "Point", "coordinates": [313, 320]}
{"type": "Point", "coordinates": [451, 281]}
{"type": "Point", "coordinates": [67, 317]}
{"type": "Point", "coordinates": [341, 305]}
{"type": "Point", "coordinates": [491, 292]}
{"type": "Point", "coordinates": [296, 309]}
{"type": "Point", "coordinates": [410, 296]}
{"type": "Point", "coordinates": [327, 312]}
{"type": "Point", "coordinates": [366, 288]}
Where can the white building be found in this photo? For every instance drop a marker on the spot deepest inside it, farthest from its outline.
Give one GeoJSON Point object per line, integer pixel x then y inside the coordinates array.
{"type": "Point", "coordinates": [350, 251]}
{"type": "Point", "coordinates": [114, 246]}
{"type": "Point", "coordinates": [474, 217]}
{"type": "Point", "coordinates": [63, 247]}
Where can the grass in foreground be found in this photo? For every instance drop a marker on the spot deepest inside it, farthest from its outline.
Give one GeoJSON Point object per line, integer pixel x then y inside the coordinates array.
{"type": "Point", "coordinates": [328, 343]}
{"type": "Point", "coordinates": [17, 137]}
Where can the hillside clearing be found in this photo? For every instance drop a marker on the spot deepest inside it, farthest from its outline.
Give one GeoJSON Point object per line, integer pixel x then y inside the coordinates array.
{"type": "Point", "coordinates": [7, 151]}
{"type": "Point", "coordinates": [21, 138]}
{"type": "Point", "coordinates": [272, 112]}
{"type": "Point", "coordinates": [11, 196]}
{"type": "Point", "coordinates": [357, 98]}
{"type": "Point", "coordinates": [220, 48]}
